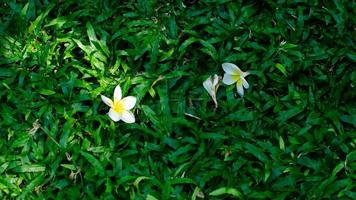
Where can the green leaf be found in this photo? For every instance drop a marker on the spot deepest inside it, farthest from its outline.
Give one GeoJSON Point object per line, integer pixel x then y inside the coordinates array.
{"type": "Point", "coordinates": [94, 162]}
{"type": "Point", "coordinates": [139, 179]}
{"type": "Point", "coordinates": [150, 197]}
{"type": "Point", "coordinates": [242, 115]}
{"type": "Point", "coordinates": [257, 152]}
{"type": "Point", "coordinates": [30, 168]}
{"type": "Point", "coordinates": [281, 143]}
{"type": "Point", "coordinates": [282, 69]}
{"type": "Point", "coordinates": [351, 119]}
{"type": "Point", "coordinates": [337, 169]}
{"type": "Point", "coordinates": [225, 190]}
{"type": "Point", "coordinates": [285, 115]}
{"type": "Point", "coordinates": [46, 92]}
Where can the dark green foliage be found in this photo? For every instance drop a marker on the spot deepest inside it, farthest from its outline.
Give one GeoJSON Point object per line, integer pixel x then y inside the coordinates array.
{"type": "Point", "coordinates": [291, 136]}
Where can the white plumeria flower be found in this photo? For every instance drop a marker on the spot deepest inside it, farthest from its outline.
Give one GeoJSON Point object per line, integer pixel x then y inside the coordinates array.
{"type": "Point", "coordinates": [233, 74]}
{"type": "Point", "coordinates": [120, 108]}
{"type": "Point", "coordinates": [211, 85]}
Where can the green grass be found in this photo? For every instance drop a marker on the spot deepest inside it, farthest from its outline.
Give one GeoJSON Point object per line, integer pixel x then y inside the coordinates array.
{"type": "Point", "coordinates": [292, 136]}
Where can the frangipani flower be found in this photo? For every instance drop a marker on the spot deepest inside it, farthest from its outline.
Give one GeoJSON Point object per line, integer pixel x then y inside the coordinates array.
{"type": "Point", "coordinates": [211, 85]}
{"type": "Point", "coordinates": [233, 74]}
{"type": "Point", "coordinates": [120, 108]}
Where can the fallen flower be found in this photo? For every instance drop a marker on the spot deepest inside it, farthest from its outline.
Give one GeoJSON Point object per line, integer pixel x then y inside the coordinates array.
{"type": "Point", "coordinates": [234, 74]}
{"type": "Point", "coordinates": [211, 85]}
{"type": "Point", "coordinates": [120, 108]}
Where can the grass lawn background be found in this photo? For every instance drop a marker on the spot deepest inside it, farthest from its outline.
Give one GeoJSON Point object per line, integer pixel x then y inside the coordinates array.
{"type": "Point", "coordinates": [291, 136]}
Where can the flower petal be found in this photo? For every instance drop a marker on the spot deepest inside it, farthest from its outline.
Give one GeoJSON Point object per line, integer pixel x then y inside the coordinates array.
{"type": "Point", "coordinates": [240, 90]}
{"type": "Point", "coordinates": [129, 102]}
{"type": "Point", "coordinates": [245, 83]}
{"type": "Point", "coordinates": [114, 115]}
{"type": "Point", "coordinates": [231, 69]}
{"type": "Point", "coordinates": [117, 93]}
{"type": "Point", "coordinates": [106, 100]}
{"type": "Point", "coordinates": [208, 85]}
{"type": "Point", "coordinates": [228, 79]}
{"type": "Point", "coordinates": [215, 80]}
{"type": "Point", "coordinates": [128, 117]}
{"type": "Point", "coordinates": [244, 74]}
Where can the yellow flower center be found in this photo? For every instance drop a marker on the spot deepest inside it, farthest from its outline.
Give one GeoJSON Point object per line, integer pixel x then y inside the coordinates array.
{"type": "Point", "coordinates": [118, 106]}
{"type": "Point", "coordinates": [238, 79]}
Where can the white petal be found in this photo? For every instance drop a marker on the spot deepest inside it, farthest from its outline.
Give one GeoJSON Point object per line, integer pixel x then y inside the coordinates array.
{"type": "Point", "coordinates": [129, 102]}
{"type": "Point", "coordinates": [245, 83]}
{"type": "Point", "coordinates": [106, 100]}
{"type": "Point", "coordinates": [128, 117]}
{"type": "Point", "coordinates": [215, 80]}
{"type": "Point", "coordinates": [240, 90]}
{"type": "Point", "coordinates": [228, 79]}
{"type": "Point", "coordinates": [114, 115]}
{"type": "Point", "coordinates": [117, 93]}
{"type": "Point", "coordinates": [231, 69]}
{"type": "Point", "coordinates": [244, 74]}
{"type": "Point", "coordinates": [208, 85]}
